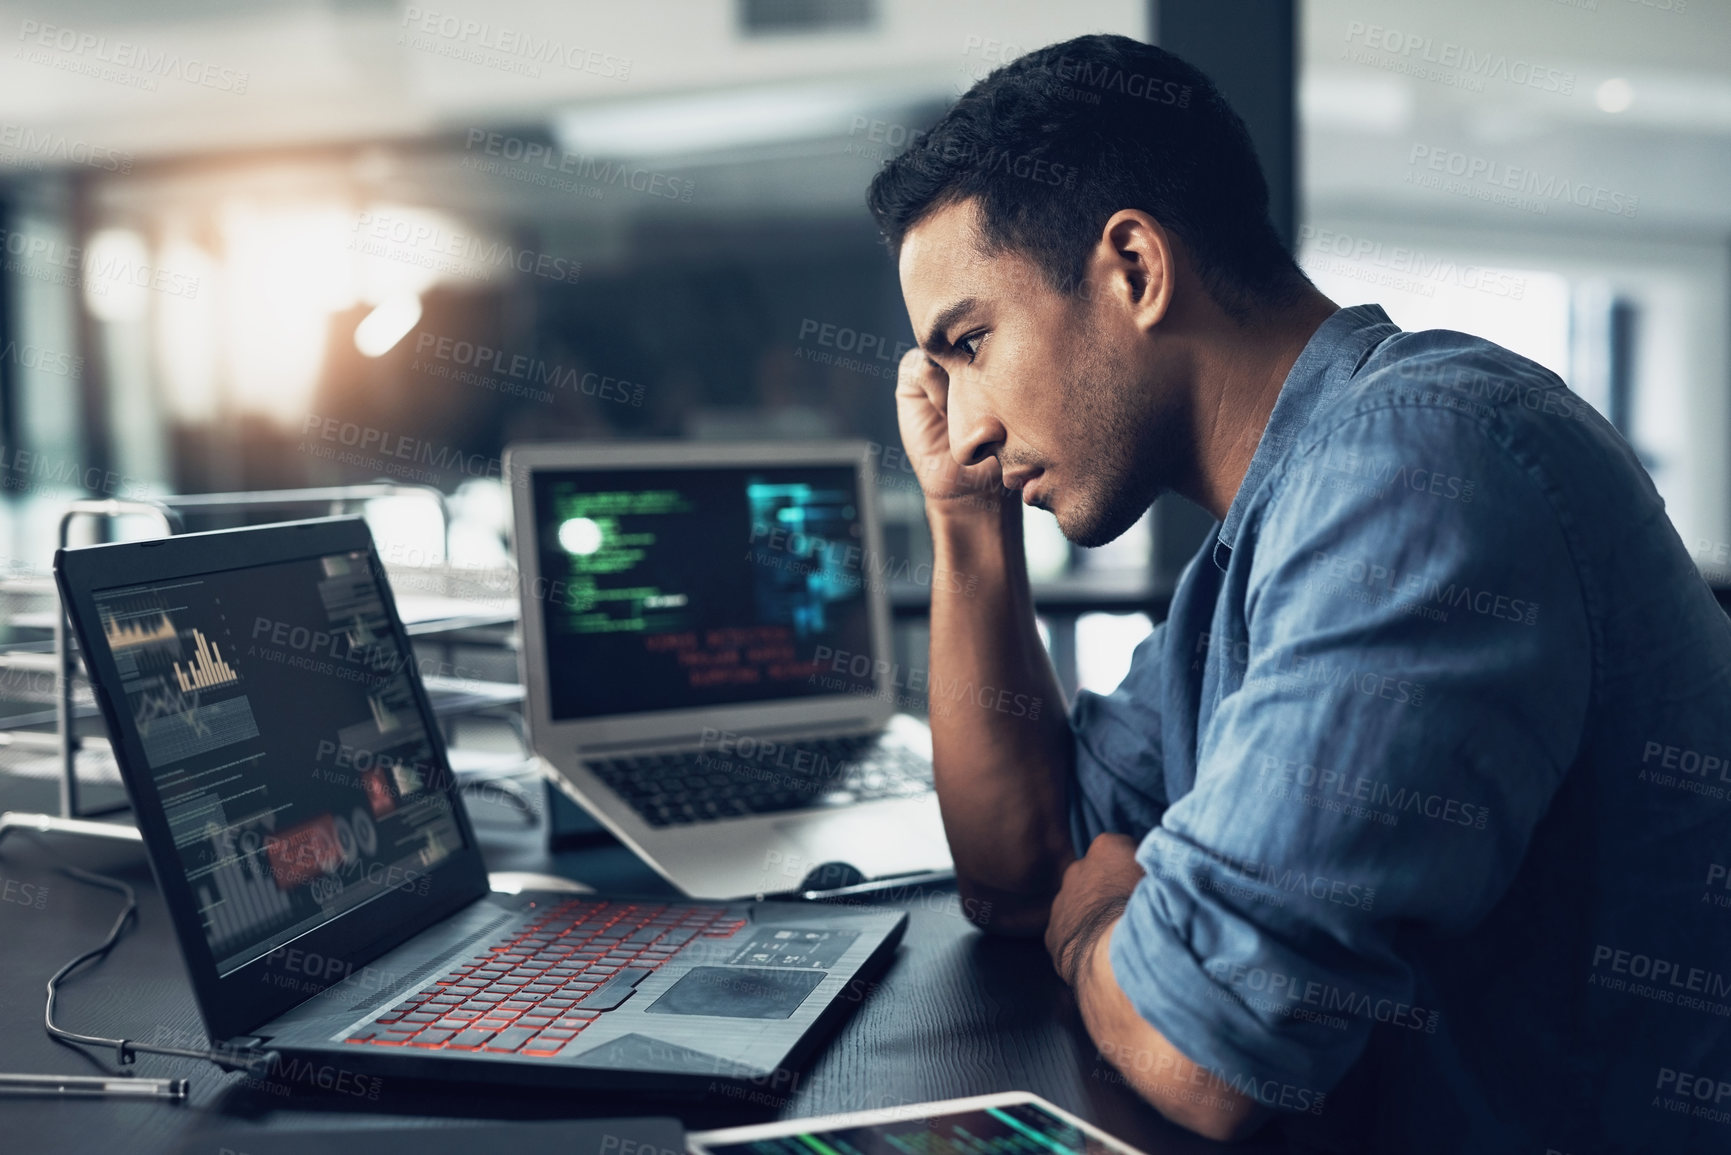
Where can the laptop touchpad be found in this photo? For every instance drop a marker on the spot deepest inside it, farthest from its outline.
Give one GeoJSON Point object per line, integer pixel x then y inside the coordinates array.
{"type": "Point", "coordinates": [738, 992]}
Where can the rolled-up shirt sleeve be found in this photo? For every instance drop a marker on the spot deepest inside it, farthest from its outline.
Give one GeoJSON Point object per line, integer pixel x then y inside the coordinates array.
{"type": "Point", "coordinates": [1415, 681]}
{"type": "Point", "coordinates": [1119, 784]}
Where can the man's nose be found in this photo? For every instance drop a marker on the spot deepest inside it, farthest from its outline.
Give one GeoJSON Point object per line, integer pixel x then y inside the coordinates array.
{"type": "Point", "coordinates": [974, 433]}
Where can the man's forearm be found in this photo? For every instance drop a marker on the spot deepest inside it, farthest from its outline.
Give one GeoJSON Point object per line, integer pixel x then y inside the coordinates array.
{"type": "Point", "coordinates": [1000, 732]}
{"type": "Point", "coordinates": [1186, 1093]}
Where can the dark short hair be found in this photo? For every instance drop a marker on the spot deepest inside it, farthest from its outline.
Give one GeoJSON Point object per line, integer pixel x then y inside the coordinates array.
{"type": "Point", "coordinates": [1056, 141]}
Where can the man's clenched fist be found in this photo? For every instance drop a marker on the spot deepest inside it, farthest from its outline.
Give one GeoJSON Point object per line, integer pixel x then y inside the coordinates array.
{"type": "Point", "coordinates": [1095, 890]}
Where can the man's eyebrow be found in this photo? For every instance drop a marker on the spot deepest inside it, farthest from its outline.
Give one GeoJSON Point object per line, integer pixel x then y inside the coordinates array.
{"type": "Point", "coordinates": [934, 341]}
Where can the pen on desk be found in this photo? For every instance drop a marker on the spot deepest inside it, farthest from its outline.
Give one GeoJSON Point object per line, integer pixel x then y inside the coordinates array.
{"type": "Point", "coordinates": [92, 1085]}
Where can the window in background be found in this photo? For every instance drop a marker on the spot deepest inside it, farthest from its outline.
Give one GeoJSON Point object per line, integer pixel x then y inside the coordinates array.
{"type": "Point", "coordinates": [1104, 645]}
{"type": "Point", "coordinates": [1520, 309]}
{"type": "Point", "coordinates": [1581, 224]}
{"type": "Point", "coordinates": [1128, 552]}
{"type": "Point", "coordinates": [1625, 332]}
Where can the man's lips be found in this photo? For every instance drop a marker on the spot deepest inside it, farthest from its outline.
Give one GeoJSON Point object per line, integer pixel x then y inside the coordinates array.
{"type": "Point", "coordinates": [1024, 480]}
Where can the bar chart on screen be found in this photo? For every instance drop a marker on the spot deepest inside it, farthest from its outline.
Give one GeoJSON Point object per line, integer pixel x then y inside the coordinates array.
{"type": "Point", "coordinates": [179, 683]}
{"type": "Point", "coordinates": [206, 669]}
{"type": "Point", "coordinates": [237, 895]}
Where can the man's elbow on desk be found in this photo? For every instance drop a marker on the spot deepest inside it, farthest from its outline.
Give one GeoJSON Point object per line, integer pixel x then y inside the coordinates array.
{"type": "Point", "coordinates": [1017, 902]}
{"type": "Point", "coordinates": [1095, 892]}
{"type": "Point", "coordinates": [1010, 914]}
{"type": "Point", "coordinates": [1185, 1092]}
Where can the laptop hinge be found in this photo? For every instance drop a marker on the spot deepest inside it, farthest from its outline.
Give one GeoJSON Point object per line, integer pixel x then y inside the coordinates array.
{"type": "Point", "coordinates": [862, 724]}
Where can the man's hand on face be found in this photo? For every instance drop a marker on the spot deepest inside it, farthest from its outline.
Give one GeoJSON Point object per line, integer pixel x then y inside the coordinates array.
{"type": "Point", "coordinates": [922, 401]}
{"type": "Point", "coordinates": [1095, 890]}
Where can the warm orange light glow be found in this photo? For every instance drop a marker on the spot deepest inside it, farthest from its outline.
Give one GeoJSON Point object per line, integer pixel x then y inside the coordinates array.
{"type": "Point", "coordinates": [381, 329]}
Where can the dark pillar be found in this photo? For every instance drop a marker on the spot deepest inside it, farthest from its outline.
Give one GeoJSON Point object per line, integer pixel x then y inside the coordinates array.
{"type": "Point", "coordinates": [1249, 49]}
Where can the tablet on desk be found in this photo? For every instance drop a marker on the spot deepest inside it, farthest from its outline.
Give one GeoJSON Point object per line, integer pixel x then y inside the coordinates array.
{"type": "Point", "coordinates": [1011, 1123]}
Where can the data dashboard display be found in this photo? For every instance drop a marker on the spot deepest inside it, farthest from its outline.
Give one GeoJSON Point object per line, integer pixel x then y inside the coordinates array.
{"type": "Point", "coordinates": [1013, 1129]}
{"type": "Point", "coordinates": [278, 721]}
{"type": "Point", "coordinates": [672, 589]}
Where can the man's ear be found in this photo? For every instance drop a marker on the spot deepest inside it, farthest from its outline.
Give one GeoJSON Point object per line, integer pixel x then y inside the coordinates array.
{"type": "Point", "coordinates": [1134, 265]}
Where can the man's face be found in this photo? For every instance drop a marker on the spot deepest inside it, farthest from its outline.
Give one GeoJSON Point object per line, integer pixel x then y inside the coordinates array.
{"type": "Point", "coordinates": [1058, 386]}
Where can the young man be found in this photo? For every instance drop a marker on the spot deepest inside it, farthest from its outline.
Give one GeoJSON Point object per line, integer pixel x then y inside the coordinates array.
{"type": "Point", "coordinates": [1409, 826]}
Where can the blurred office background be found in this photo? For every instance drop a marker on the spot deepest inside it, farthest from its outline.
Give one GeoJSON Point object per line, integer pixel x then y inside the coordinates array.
{"type": "Point", "coordinates": [274, 244]}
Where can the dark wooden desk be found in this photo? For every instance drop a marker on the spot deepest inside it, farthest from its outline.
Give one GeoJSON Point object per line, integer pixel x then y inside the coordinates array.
{"type": "Point", "coordinates": [957, 1014]}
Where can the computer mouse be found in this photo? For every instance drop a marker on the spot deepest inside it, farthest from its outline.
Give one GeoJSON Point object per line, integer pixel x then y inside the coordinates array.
{"type": "Point", "coordinates": [831, 876]}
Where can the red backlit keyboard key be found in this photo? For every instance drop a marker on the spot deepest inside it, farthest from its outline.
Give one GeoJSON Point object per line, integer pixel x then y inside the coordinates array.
{"type": "Point", "coordinates": [509, 1040]}
{"type": "Point", "coordinates": [522, 995]}
{"type": "Point", "coordinates": [470, 1038]}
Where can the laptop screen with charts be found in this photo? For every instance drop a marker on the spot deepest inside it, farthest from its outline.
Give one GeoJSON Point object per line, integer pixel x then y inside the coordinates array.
{"type": "Point", "coordinates": [698, 588]}
{"type": "Point", "coordinates": [283, 738]}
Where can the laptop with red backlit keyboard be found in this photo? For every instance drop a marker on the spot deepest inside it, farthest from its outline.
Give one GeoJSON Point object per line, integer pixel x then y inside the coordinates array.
{"type": "Point", "coordinates": [323, 877]}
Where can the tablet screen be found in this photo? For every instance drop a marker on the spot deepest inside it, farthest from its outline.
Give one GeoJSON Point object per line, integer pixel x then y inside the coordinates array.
{"type": "Point", "coordinates": [1012, 1129]}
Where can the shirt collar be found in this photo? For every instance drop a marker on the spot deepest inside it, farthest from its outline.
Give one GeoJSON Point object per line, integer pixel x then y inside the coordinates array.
{"type": "Point", "coordinates": [1321, 373]}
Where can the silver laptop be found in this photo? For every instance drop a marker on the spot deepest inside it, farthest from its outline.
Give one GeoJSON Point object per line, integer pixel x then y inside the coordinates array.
{"type": "Point", "coordinates": [706, 653]}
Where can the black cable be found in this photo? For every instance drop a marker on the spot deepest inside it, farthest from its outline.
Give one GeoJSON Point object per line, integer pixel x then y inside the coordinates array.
{"type": "Point", "coordinates": [71, 1037]}
{"type": "Point", "coordinates": [126, 1051]}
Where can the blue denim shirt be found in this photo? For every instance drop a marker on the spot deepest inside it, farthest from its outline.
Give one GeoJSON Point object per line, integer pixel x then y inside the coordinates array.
{"type": "Point", "coordinates": [1431, 768]}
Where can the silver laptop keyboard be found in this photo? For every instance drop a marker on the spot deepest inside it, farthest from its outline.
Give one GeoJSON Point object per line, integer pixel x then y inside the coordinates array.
{"type": "Point", "coordinates": [707, 785]}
